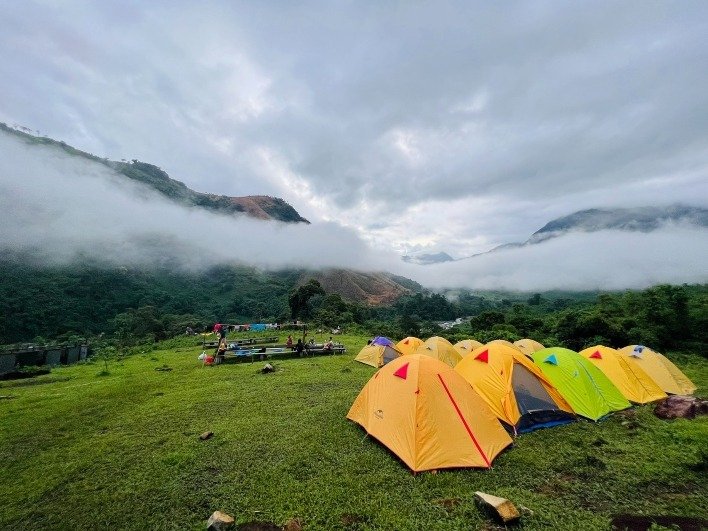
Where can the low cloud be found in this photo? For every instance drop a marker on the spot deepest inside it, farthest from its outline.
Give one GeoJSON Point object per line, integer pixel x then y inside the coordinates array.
{"type": "Point", "coordinates": [61, 206]}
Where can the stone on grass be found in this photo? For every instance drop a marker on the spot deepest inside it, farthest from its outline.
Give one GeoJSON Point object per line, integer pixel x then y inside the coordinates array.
{"type": "Point", "coordinates": [219, 521]}
{"type": "Point", "coordinates": [501, 507]}
{"type": "Point", "coordinates": [267, 368]}
{"type": "Point", "coordinates": [206, 435]}
{"type": "Point", "coordinates": [680, 406]}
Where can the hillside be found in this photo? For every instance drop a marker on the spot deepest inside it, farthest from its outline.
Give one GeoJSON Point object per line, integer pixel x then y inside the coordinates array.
{"type": "Point", "coordinates": [368, 288]}
{"type": "Point", "coordinates": [258, 206]}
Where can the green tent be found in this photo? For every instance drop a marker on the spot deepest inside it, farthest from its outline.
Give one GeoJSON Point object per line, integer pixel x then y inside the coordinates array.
{"type": "Point", "coordinates": [585, 387]}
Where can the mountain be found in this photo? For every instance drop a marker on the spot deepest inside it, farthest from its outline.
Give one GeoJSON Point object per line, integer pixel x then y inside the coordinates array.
{"type": "Point", "coordinates": [638, 219]}
{"type": "Point", "coordinates": [369, 288]}
{"type": "Point", "coordinates": [642, 219]}
{"type": "Point", "coordinates": [256, 206]}
{"type": "Point", "coordinates": [426, 259]}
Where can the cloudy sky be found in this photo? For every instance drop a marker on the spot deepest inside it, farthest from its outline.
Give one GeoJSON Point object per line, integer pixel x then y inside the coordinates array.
{"type": "Point", "coordinates": [418, 126]}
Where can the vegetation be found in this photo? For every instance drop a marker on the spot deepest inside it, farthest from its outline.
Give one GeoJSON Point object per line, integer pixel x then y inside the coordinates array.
{"type": "Point", "coordinates": [122, 450]}
{"type": "Point", "coordinates": [134, 304]}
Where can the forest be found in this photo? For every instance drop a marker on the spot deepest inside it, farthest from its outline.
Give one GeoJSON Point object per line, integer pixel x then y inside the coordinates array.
{"type": "Point", "coordinates": [130, 305]}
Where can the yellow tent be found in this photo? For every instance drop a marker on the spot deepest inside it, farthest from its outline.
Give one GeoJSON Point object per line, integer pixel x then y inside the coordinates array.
{"type": "Point", "coordinates": [466, 346]}
{"type": "Point", "coordinates": [426, 414]}
{"type": "Point", "coordinates": [408, 345]}
{"type": "Point", "coordinates": [631, 380]}
{"type": "Point", "coordinates": [377, 355]}
{"type": "Point", "coordinates": [528, 346]}
{"type": "Point", "coordinates": [441, 349]}
{"type": "Point", "coordinates": [667, 375]}
{"type": "Point", "coordinates": [515, 389]}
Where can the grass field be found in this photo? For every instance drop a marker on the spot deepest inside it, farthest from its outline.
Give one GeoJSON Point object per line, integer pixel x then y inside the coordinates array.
{"type": "Point", "coordinates": [83, 449]}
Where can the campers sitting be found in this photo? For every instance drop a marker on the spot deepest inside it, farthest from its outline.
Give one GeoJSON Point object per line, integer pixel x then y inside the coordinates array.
{"type": "Point", "coordinates": [329, 345]}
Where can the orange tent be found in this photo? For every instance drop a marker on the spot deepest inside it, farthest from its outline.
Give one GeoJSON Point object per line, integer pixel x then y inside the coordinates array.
{"type": "Point", "coordinates": [667, 375]}
{"type": "Point", "coordinates": [631, 380]}
{"type": "Point", "coordinates": [408, 345]}
{"type": "Point", "coordinates": [441, 349]}
{"type": "Point", "coordinates": [466, 346]}
{"type": "Point", "coordinates": [426, 414]}
{"type": "Point", "coordinates": [528, 346]}
{"type": "Point", "coordinates": [514, 387]}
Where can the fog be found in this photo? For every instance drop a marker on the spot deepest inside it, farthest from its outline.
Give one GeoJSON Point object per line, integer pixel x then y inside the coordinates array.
{"type": "Point", "coordinates": [60, 207]}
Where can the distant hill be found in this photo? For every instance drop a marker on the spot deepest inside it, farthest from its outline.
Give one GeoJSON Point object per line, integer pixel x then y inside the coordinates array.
{"type": "Point", "coordinates": [369, 288]}
{"type": "Point", "coordinates": [256, 206]}
{"type": "Point", "coordinates": [639, 219]}
{"type": "Point", "coordinates": [642, 219]}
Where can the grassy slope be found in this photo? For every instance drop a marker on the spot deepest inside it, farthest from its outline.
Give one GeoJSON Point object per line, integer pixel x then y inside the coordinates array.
{"type": "Point", "coordinates": [122, 451]}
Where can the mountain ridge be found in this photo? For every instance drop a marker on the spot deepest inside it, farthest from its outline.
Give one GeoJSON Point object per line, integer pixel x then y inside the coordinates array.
{"type": "Point", "coordinates": [256, 206]}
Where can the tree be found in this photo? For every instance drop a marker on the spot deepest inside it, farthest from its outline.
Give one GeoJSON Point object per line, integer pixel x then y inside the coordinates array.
{"type": "Point", "coordinates": [299, 298]}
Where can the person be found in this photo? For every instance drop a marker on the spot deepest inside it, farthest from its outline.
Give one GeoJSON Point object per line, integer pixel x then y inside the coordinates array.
{"type": "Point", "coordinates": [289, 342]}
{"type": "Point", "coordinates": [299, 347]}
{"type": "Point", "coordinates": [221, 351]}
{"type": "Point", "coordinates": [329, 345]}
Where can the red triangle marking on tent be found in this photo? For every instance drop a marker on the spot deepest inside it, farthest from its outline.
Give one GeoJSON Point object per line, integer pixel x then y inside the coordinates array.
{"type": "Point", "coordinates": [406, 341]}
{"type": "Point", "coordinates": [596, 355]}
{"type": "Point", "coordinates": [483, 356]}
{"type": "Point", "coordinates": [402, 372]}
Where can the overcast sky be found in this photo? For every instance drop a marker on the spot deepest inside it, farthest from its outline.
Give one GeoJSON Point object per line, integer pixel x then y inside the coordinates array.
{"type": "Point", "coordinates": [414, 125]}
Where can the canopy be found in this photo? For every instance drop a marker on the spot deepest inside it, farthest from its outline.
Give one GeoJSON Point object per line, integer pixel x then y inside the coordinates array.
{"type": "Point", "coordinates": [427, 415]}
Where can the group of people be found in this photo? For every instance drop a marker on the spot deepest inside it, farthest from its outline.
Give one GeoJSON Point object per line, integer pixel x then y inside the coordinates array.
{"type": "Point", "coordinates": [301, 348]}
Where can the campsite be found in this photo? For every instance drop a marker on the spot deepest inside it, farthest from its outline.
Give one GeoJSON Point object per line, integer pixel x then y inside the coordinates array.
{"type": "Point", "coordinates": [87, 447]}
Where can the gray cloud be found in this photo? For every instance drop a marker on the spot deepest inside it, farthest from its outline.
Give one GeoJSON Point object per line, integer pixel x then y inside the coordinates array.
{"type": "Point", "coordinates": [509, 115]}
{"type": "Point", "coordinates": [62, 207]}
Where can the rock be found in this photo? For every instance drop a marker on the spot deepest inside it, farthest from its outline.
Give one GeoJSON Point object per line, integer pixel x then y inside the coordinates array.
{"type": "Point", "coordinates": [680, 406]}
{"type": "Point", "coordinates": [207, 435]}
{"type": "Point", "coordinates": [501, 507]}
{"type": "Point", "coordinates": [294, 524]}
{"type": "Point", "coordinates": [219, 521]}
{"type": "Point", "coordinates": [267, 368]}
{"type": "Point", "coordinates": [7, 397]}
{"type": "Point", "coordinates": [163, 369]}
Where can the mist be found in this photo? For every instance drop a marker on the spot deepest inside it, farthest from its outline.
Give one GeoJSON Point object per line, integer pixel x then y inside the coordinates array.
{"type": "Point", "coordinates": [62, 207]}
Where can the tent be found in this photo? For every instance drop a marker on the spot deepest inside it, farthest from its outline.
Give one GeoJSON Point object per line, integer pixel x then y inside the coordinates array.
{"type": "Point", "coordinates": [585, 387]}
{"type": "Point", "coordinates": [667, 375]}
{"type": "Point", "coordinates": [377, 355]}
{"type": "Point", "coordinates": [631, 380]}
{"type": "Point", "coordinates": [408, 345]}
{"type": "Point", "coordinates": [426, 414]}
{"type": "Point", "coordinates": [381, 340]}
{"type": "Point", "coordinates": [441, 349]}
{"type": "Point", "coordinates": [515, 389]}
{"type": "Point", "coordinates": [528, 346]}
{"type": "Point", "coordinates": [466, 346]}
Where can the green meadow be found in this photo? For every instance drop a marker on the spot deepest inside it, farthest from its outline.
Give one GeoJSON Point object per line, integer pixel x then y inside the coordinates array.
{"type": "Point", "coordinates": [86, 447]}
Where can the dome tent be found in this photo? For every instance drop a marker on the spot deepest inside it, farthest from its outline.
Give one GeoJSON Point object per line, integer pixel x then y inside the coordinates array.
{"type": "Point", "coordinates": [528, 346]}
{"type": "Point", "coordinates": [408, 345]}
{"type": "Point", "coordinates": [515, 389]}
{"type": "Point", "coordinates": [441, 349]}
{"type": "Point", "coordinates": [588, 391]}
{"type": "Point", "coordinates": [466, 346]}
{"type": "Point", "coordinates": [631, 380]}
{"type": "Point", "coordinates": [377, 355]}
{"type": "Point", "coordinates": [667, 375]}
{"type": "Point", "coordinates": [425, 413]}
